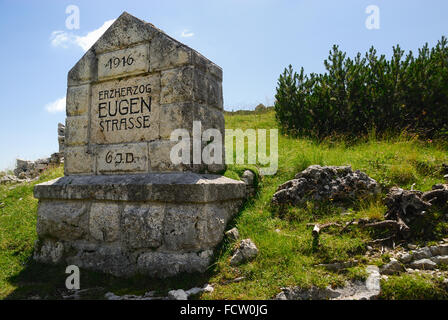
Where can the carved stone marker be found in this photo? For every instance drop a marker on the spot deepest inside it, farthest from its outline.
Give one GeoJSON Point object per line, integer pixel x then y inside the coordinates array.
{"type": "Point", "coordinates": [123, 206]}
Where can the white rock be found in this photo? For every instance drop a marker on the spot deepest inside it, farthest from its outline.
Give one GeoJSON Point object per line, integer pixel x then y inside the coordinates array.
{"type": "Point", "coordinates": [392, 267]}
{"type": "Point", "coordinates": [177, 295]}
{"type": "Point", "coordinates": [247, 250]}
{"type": "Point", "coordinates": [233, 234]}
{"type": "Point", "coordinates": [423, 264]}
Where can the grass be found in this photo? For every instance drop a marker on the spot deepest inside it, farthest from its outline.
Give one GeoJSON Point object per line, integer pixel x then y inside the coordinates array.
{"type": "Point", "coordinates": [287, 256]}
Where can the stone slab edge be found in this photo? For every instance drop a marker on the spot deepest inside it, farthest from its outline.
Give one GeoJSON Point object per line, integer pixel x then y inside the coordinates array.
{"type": "Point", "coordinates": [167, 187]}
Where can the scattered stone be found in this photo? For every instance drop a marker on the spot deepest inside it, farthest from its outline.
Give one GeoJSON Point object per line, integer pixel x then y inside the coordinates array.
{"type": "Point", "coordinates": [61, 137]}
{"type": "Point", "coordinates": [313, 293]}
{"type": "Point", "coordinates": [246, 251]}
{"type": "Point", "coordinates": [326, 183]}
{"type": "Point", "coordinates": [393, 267]}
{"type": "Point", "coordinates": [26, 169]}
{"type": "Point", "coordinates": [411, 246]}
{"type": "Point", "coordinates": [440, 260]}
{"type": "Point", "coordinates": [405, 258]}
{"type": "Point", "coordinates": [422, 253]}
{"type": "Point", "coordinates": [9, 179]}
{"type": "Point", "coordinates": [177, 295]}
{"type": "Point", "coordinates": [233, 234]}
{"type": "Point", "coordinates": [208, 288]}
{"type": "Point", "coordinates": [249, 180]}
{"type": "Point", "coordinates": [423, 264]}
{"type": "Point", "coordinates": [356, 290]}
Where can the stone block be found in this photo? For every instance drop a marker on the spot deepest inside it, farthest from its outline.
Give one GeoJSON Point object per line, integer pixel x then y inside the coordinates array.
{"type": "Point", "coordinates": [128, 61]}
{"type": "Point", "coordinates": [142, 225]}
{"type": "Point", "coordinates": [180, 232]}
{"type": "Point", "coordinates": [177, 85]}
{"type": "Point", "coordinates": [176, 116]}
{"type": "Point", "coordinates": [163, 265]}
{"type": "Point", "coordinates": [78, 100]}
{"type": "Point", "coordinates": [112, 259]}
{"type": "Point", "coordinates": [166, 53]}
{"type": "Point", "coordinates": [84, 71]}
{"type": "Point", "coordinates": [78, 160]}
{"type": "Point", "coordinates": [122, 158]}
{"type": "Point", "coordinates": [126, 31]}
{"type": "Point", "coordinates": [64, 220]}
{"type": "Point", "coordinates": [104, 221]}
{"type": "Point", "coordinates": [77, 129]}
{"type": "Point", "coordinates": [125, 110]}
{"type": "Point", "coordinates": [49, 251]}
{"type": "Point", "coordinates": [159, 157]}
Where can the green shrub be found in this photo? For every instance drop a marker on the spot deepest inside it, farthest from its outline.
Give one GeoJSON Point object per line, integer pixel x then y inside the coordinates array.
{"type": "Point", "coordinates": [368, 93]}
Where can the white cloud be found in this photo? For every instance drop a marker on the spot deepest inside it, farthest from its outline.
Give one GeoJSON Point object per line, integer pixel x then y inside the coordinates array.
{"type": "Point", "coordinates": [186, 34]}
{"type": "Point", "coordinates": [65, 39]}
{"type": "Point", "coordinates": [56, 106]}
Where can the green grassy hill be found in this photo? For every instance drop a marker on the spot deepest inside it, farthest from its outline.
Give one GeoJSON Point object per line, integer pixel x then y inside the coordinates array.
{"type": "Point", "coordinates": [286, 254]}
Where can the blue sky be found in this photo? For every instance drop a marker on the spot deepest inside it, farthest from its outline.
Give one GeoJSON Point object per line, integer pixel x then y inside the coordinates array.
{"type": "Point", "coordinates": [253, 41]}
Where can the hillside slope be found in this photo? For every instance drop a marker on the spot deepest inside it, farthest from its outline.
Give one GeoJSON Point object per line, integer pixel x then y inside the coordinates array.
{"type": "Point", "coordinates": [286, 255]}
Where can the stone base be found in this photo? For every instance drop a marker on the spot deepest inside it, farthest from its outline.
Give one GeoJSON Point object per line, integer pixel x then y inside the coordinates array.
{"type": "Point", "coordinates": [154, 224]}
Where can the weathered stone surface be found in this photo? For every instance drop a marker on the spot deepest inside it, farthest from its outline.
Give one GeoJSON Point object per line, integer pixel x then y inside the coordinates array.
{"type": "Point", "coordinates": [78, 160]}
{"type": "Point", "coordinates": [126, 31]}
{"type": "Point", "coordinates": [104, 221]}
{"type": "Point", "coordinates": [421, 253]}
{"type": "Point", "coordinates": [357, 290]}
{"type": "Point", "coordinates": [172, 187]}
{"type": "Point", "coordinates": [84, 71]}
{"type": "Point", "coordinates": [49, 251]}
{"type": "Point", "coordinates": [440, 260]}
{"type": "Point", "coordinates": [325, 183]}
{"type": "Point", "coordinates": [64, 220]}
{"type": "Point", "coordinates": [77, 129]}
{"type": "Point", "coordinates": [106, 258]}
{"type": "Point", "coordinates": [125, 110]}
{"type": "Point", "coordinates": [142, 225]}
{"type": "Point", "coordinates": [247, 250]}
{"type": "Point", "coordinates": [393, 267]}
{"type": "Point", "coordinates": [61, 138]}
{"type": "Point", "coordinates": [122, 158]}
{"type": "Point", "coordinates": [213, 222]}
{"type": "Point", "coordinates": [175, 116]}
{"type": "Point", "coordinates": [233, 234]}
{"type": "Point", "coordinates": [128, 61]}
{"type": "Point", "coordinates": [180, 228]}
{"type": "Point", "coordinates": [166, 53]}
{"type": "Point", "coordinates": [179, 85]}
{"type": "Point", "coordinates": [163, 265]}
{"type": "Point", "coordinates": [249, 179]}
{"type": "Point", "coordinates": [405, 258]}
{"type": "Point", "coordinates": [78, 100]}
{"type": "Point", "coordinates": [424, 264]}
{"type": "Point", "coordinates": [313, 293]}
{"type": "Point", "coordinates": [159, 157]}
{"type": "Point", "coordinates": [177, 295]}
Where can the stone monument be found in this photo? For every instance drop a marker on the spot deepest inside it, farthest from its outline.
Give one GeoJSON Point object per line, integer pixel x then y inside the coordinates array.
{"type": "Point", "coordinates": [123, 207]}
